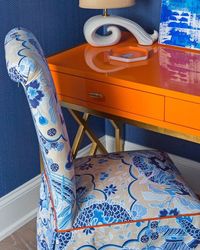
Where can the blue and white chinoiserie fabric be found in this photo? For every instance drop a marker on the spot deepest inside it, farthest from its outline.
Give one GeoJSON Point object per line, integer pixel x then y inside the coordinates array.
{"type": "Point", "coordinates": [27, 65]}
{"type": "Point", "coordinates": [131, 200]}
{"type": "Point", "coordinates": [128, 200]}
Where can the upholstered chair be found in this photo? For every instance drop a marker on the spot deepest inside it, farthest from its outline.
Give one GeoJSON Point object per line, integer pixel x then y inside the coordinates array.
{"type": "Point", "coordinates": [126, 200]}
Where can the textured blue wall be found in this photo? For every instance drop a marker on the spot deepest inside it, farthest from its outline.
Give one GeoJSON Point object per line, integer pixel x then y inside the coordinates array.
{"type": "Point", "coordinates": [58, 25]}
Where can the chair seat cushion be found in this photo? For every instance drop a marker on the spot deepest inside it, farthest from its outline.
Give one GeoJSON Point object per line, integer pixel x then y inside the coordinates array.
{"type": "Point", "coordinates": [131, 199]}
{"type": "Point", "coordinates": [130, 186]}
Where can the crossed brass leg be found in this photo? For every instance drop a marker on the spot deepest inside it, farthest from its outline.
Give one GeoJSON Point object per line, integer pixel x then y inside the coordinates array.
{"type": "Point", "coordinates": [79, 136]}
{"type": "Point", "coordinates": [96, 144]}
{"type": "Point", "coordinates": [84, 128]}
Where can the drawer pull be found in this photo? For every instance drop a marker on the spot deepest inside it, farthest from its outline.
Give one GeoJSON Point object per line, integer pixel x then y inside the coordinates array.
{"type": "Point", "coordinates": [96, 95]}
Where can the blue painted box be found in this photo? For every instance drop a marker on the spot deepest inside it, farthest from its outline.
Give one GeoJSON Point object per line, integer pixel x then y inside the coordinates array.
{"type": "Point", "coordinates": [180, 23]}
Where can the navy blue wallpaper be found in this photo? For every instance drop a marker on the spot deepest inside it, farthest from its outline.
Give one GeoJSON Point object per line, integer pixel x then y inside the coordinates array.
{"type": "Point", "coordinates": [58, 25]}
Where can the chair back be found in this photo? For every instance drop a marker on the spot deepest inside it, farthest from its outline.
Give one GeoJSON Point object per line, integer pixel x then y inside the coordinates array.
{"type": "Point", "coordinates": [27, 65]}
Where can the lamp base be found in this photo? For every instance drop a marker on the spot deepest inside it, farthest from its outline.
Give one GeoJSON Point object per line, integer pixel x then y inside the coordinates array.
{"type": "Point", "coordinates": [94, 23]}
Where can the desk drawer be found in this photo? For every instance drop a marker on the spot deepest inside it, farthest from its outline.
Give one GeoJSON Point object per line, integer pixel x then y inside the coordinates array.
{"type": "Point", "coordinates": [182, 113]}
{"type": "Point", "coordinates": [108, 95]}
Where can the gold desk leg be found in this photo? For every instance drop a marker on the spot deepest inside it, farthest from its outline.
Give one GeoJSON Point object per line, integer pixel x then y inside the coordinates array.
{"type": "Point", "coordinates": [79, 136]}
{"type": "Point", "coordinates": [118, 126]}
{"type": "Point", "coordinates": [93, 148]}
{"type": "Point", "coordinates": [96, 144]}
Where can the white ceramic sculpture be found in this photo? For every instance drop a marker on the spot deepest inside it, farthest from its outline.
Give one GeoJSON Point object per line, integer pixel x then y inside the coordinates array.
{"type": "Point", "coordinates": [94, 23]}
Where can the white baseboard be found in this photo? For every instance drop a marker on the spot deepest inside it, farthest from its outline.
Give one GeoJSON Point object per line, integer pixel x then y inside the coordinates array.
{"type": "Point", "coordinates": [19, 207]}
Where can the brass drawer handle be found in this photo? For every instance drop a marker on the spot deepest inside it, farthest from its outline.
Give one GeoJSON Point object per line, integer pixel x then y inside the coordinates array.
{"type": "Point", "coordinates": [96, 95]}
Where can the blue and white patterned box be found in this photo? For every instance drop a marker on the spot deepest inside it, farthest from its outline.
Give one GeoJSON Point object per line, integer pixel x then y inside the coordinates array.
{"type": "Point", "coordinates": [180, 23]}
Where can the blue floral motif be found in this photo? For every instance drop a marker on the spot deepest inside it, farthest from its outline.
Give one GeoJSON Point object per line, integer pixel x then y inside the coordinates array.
{"type": "Point", "coordinates": [139, 223]}
{"type": "Point", "coordinates": [16, 76]}
{"type": "Point", "coordinates": [34, 94]}
{"type": "Point", "coordinates": [154, 236]}
{"type": "Point", "coordinates": [144, 239]}
{"type": "Point", "coordinates": [172, 212]}
{"type": "Point", "coordinates": [89, 230]}
{"type": "Point", "coordinates": [154, 224]}
{"type": "Point", "coordinates": [86, 165]}
{"type": "Point", "coordinates": [54, 167]}
{"type": "Point", "coordinates": [48, 145]}
{"type": "Point", "coordinates": [63, 239]}
{"type": "Point", "coordinates": [43, 120]}
{"type": "Point", "coordinates": [103, 176]}
{"type": "Point", "coordinates": [51, 132]}
{"type": "Point", "coordinates": [111, 189]}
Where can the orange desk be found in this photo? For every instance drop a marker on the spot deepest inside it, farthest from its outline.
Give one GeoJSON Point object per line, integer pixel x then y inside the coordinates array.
{"type": "Point", "coordinates": [160, 94]}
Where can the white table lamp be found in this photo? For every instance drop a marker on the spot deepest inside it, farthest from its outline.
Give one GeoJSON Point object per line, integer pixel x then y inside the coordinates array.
{"type": "Point", "coordinates": [94, 23]}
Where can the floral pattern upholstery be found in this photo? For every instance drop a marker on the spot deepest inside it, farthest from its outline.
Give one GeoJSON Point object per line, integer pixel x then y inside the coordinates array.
{"type": "Point", "coordinates": [26, 64]}
{"type": "Point", "coordinates": [128, 200]}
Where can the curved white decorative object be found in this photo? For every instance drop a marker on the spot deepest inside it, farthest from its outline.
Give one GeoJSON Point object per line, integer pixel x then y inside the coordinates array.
{"type": "Point", "coordinates": [94, 23]}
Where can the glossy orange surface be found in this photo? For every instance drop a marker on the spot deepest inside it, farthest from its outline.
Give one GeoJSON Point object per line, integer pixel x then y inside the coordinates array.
{"type": "Point", "coordinates": [183, 113]}
{"type": "Point", "coordinates": [168, 69]}
{"type": "Point", "coordinates": [156, 91]}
